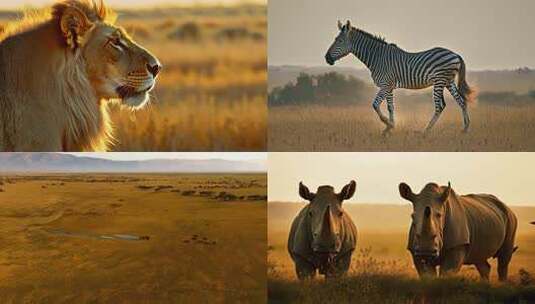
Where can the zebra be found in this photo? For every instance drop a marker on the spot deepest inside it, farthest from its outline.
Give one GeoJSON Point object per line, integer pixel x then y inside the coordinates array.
{"type": "Point", "coordinates": [391, 67]}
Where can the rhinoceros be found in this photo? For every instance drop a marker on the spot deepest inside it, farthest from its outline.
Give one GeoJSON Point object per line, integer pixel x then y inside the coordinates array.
{"type": "Point", "coordinates": [323, 236]}
{"type": "Point", "coordinates": [450, 230]}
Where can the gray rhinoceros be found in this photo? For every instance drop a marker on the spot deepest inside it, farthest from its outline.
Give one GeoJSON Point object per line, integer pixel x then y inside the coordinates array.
{"type": "Point", "coordinates": [323, 236]}
{"type": "Point", "coordinates": [450, 230]}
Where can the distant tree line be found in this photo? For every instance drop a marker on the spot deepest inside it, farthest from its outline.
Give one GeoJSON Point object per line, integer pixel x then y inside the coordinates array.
{"type": "Point", "coordinates": [335, 88]}
{"type": "Point", "coordinates": [328, 88]}
{"type": "Point", "coordinates": [507, 98]}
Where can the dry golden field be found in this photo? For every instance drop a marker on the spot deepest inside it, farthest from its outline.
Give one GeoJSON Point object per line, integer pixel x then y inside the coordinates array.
{"type": "Point", "coordinates": [125, 238]}
{"type": "Point", "coordinates": [211, 93]}
{"type": "Point", "coordinates": [357, 128]}
{"type": "Point", "coordinates": [382, 270]}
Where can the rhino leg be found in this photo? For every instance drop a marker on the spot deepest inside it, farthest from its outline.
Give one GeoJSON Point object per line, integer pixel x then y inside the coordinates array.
{"type": "Point", "coordinates": [452, 261]}
{"type": "Point", "coordinates": [503, 264]}
{"type": "Point", "coordinates": [342, 265]}
{"type": "Point", "coordinates": [304, 269]}
{"type": "Point", "coordinates": [484, 270]}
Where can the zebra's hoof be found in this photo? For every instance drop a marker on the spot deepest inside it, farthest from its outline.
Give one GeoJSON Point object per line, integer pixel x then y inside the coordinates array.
{"type": "Point", "coordinates": [387, 131]}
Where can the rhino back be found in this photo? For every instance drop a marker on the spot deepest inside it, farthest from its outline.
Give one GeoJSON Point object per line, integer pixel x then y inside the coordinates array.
{"type": "Point", "coordinates": [488, 222]}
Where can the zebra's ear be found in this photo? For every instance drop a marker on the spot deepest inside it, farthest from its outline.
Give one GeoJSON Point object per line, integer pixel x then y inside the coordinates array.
{"type": "Point", "coordinates": [348, 24]}
{"type": "Point", "coordinates": [340, 25]}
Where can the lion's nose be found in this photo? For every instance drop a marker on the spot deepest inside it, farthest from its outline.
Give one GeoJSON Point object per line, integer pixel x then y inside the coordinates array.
{"type": "Point", "coordinates": [154, 69]}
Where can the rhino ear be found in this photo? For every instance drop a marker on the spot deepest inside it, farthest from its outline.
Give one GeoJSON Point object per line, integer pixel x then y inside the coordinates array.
{"type": "Point", "coordinates": [305, 193]}
{"type": "Point", "coordinates": [406, 192]}
{"type": "Point", "coordinates": [348, 191]}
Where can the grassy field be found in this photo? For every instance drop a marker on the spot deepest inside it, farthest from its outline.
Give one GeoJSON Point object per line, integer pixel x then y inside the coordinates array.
{"type": "Point", "coordinates": [133, 238]}
{"type": "Point", "coordinates": [211, 94]}
{"type": "Point", "coordinates": [357, 128]}
{"type": "Point", "coordinates": [382, 270]}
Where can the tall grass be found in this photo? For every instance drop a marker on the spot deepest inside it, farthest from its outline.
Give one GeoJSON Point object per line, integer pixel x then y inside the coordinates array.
{"type": "Point", "coordinates": [211, 94]}
{"type": "Point", "coordinates": [375, 281]}
{"type": "Point", "coordinates": [357, 128]}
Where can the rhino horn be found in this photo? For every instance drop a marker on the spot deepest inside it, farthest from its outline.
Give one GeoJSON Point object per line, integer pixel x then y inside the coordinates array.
{"type": "Point", "coordinates": [327, 227]}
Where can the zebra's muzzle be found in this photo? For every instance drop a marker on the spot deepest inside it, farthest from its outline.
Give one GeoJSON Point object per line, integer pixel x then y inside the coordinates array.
{"type": "Point", "coordinates": [329, 59]}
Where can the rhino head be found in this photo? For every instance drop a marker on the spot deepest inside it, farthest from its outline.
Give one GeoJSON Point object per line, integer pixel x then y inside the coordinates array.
{"type": "Point", "coordinates": [325, 215]}
{"type": "Point", "coordinates": [427, 235]}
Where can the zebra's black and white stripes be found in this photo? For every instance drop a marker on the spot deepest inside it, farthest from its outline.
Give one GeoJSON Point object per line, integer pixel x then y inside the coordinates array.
{"type": "Point", "coordinates": [391, 68]}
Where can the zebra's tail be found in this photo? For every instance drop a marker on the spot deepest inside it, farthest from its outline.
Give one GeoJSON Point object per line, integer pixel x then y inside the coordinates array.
{"type": "Point", "coordinates": [468, 93]}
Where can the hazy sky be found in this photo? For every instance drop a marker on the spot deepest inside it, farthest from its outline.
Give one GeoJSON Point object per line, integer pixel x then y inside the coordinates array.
{"type": "Point", "coordinates": [176, 155]}
{"type": "Point", "coordinates": [127, 3]}
{"type": "Point", "coordinates": [509, 176]}
{"type": "Point", "coordinates": [489, 34]}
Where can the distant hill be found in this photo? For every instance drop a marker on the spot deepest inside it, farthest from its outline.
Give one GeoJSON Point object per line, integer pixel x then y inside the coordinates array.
{"type": "Point", "coordinates": [520, 81]}
{"type": "Point", "coordinates": [57, 162]}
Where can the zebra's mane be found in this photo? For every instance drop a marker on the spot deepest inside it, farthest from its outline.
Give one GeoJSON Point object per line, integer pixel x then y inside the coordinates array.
{"type": "Point", "coordinates": [377, 38]}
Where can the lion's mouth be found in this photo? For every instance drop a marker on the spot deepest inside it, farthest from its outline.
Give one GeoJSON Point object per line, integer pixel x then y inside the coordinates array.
{"type": "Point", "coordinates": [126, 91]}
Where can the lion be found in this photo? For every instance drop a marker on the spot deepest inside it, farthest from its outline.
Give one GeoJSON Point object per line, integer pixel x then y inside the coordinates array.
{"type": "Point", "coordinates": [58, 71]}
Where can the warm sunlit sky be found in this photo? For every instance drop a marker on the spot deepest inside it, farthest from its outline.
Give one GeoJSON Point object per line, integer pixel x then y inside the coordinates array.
{"type": "Point", "coordinates": [489, 34]}
{"type": "Point", "coordinates": [128, 3]}
{"type": "Point", "coordinates": [509, 176]}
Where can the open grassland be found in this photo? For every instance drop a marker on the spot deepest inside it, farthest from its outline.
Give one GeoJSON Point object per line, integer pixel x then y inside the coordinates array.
{"type": "Point", "coordinates": [211, 93]}
{"type": "Point", "coordinates": [357, 128]}
{"type": "Point", "coordinates": [382, 269]}
{"type": "Point", "coordinates": [124, 238]}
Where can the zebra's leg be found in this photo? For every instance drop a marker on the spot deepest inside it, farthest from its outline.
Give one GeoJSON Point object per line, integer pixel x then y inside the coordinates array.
{"type": "Point", "coordinates": [460, 101]}
{"type": "Point", "coordinates": [381, 95]}
{"type": "Point", "coordinates": [438, 98]}
{"type": "Point", "coordinates": [390, 106]}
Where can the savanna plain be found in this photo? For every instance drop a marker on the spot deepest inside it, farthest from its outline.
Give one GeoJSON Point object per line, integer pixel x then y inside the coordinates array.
{"type": "Point", "coordinates": [330, 109]}
{"type": "Point", "coordinates": [210, 95]}
{"type": "Point", "coordinates": [123, 238]}
{"type": "Point", "coordinates": [382, 271]}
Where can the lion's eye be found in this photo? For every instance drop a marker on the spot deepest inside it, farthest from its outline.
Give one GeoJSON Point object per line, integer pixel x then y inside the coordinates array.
{"type": "Point", "coordinates": [117, 43]}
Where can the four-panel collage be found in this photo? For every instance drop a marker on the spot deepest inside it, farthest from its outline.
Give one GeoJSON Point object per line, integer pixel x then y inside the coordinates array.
{"type": "Point", "coordinates": [267, 151]}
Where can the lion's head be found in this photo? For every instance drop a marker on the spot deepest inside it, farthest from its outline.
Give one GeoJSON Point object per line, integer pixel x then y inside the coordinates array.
{"type": "Point", "coordinates": [116, 66]}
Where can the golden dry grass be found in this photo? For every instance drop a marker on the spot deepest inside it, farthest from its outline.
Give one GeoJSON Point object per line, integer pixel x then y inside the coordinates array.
{"type": "Point", "coordinates": [381, 258]}
{"type": "Point", "coordinates": [211, 94]}
{"type": "Point", "coordinates": [357, 128]}
{"type": "Point", "coordinates": [199, 248]}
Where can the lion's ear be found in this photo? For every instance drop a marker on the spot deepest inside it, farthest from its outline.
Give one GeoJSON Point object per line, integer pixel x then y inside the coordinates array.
{"type": "Point", "coordinates": [74, 25]}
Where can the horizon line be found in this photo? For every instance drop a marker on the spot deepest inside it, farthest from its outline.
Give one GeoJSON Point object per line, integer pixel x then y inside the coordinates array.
{"type": "Point", "coordinates": [365, 69]}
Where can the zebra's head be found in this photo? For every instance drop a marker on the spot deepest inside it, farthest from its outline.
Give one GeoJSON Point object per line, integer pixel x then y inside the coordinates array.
{"type": "Point", "coordinates": [341, 45]}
